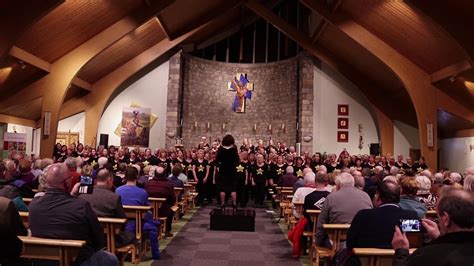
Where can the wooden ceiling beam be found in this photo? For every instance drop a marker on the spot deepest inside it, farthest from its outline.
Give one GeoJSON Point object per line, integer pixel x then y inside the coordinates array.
{"type": "Point", "coordinates": [29, 58]}
{"type": "Point", "coordinates": [81, 83]}
{"type": "Point", "coordinates": [318, 31]}
{"type": "Point", "coordinates": [72, 107]}
{"type": "Point", "coordinates": [163, 26]}
{"type": "Point", "coordinates": [17, 120]}
{"type": "Point", "coordinates": [451, 70]}
{"type": "Point", "coordinates": [445, 102]}
{"type": "Point", "coordinates": [39, 63]}
{"type": "Point", "coordinates": [75, 59]}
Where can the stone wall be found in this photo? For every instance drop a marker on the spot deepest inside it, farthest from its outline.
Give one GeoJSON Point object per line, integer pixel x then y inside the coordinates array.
{"type": "Point", "coordinates": [172, 106]}
{"type": "Point", "coordinates": [207, 100]}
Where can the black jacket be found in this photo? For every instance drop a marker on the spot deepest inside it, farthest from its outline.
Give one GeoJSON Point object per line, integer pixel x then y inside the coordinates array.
{"type": "Point", "coordinates": [374, 228]}
{"type": "Point", "coordinates": [449, 249]}
{"type": "Point", "coordinates": [58, 215]}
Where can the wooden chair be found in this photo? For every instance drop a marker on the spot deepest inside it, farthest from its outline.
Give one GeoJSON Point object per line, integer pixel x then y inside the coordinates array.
{"type": "Point", "coordinates": [337, 233]}
{"type": "Point", "coordinates": [138, 213]}
{"type": "Point", "coordinates": [64, 251]}
{"type": "Point", "coordinates": [375, 256]}
{"type": "Point", "coordinates": [156, 204]}
{"type": "Point", "coordinates": [113, 227]}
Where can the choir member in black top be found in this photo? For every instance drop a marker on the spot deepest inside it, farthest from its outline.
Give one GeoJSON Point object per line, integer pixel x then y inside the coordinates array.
{"type": "Point", "coordinates": [242, 179]}
{"type": "Point", "coordinates": [165, 162]}
{"type": "Point", "coordinates": [260, 176]}
{"type": "Point", "coordinates": [201, 173]}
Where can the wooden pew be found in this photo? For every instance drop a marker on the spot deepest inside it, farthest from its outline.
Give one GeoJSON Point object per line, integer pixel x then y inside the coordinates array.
{"type": "Point", "coordinates": [113, 227]}
{"type": "Point", "coordinates": [337, 233]}
{"type": "Point", "coordinates": [313, 214]}
{"type": "Point", "coordinates": [177, 191]}
{"type": "Point", "coordinates": [376, 256]}
{"type": "Point", "coordinates": [138, 213]}
{"type": "Point", "coordinates": [156, 204]}
{"type": "Point", "coordinates": [431, 214]}
{"type": "Point", "coordinates": [27, 201]}
{"type": "Point", "coordinates": [24, 217]}
{"type": "Point", "coordinates": [64, 251]}
{"type": "Point", "coordinates": [298, 207]}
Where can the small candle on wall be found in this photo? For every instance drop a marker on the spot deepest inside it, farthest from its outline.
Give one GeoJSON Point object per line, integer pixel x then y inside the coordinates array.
{"type": "Point", "coordinates": [255, 127]}
{"type": "Point", "coordinates": [195, 124]}
{"type": "Point", "coordinates": [208, 125]}
{"type": "Point", "coordinates": [270, 127]}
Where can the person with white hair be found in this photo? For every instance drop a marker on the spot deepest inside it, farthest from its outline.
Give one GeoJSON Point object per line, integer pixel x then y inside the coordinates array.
{"type": "Point", "coordinates": [341, 206]}
{"type": "Point", "coordinates": [300, 193]}
{"type": "Point", "coordinates": [470, 170]}
{"type": "Point", "coordinates": [288, 179]}
{"type": "Point", "coordinates": [454, 178]}
{"type": "Point", "coordinates": [394, 170]}
{"type": "Point", "coordinates": [469, 183]}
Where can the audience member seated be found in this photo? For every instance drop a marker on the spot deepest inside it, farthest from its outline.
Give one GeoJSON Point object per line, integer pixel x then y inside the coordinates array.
{"type": "Point", "coordinates": [300, 180]}
{"type": "Point", "coordinates": [373, 228]}
{"type": "Point", "coordinates": [9, 190]}
{"type": "Point", "coordinates": [11, 226]}
{"type": "Point", "coordinates": [161, 187]}
{"type": "Point", "coordinates": [71, 164]}
{"type": "Point", "coordinates": [408, 199]}
{"type": "Point", "coordinates": [106, 203]}
{"type": "Point", "coordinates": [25, 174]}
{"type": "Point", "coordinates": [288, 179]}
{"type": "Point", "coordinates": [341, 206]}
{"type": "Point", "coordinates": [452, 243]}
{"type": "Point", "coordinates": [176, 171]}
{"type": "Point", "coordinates": [59, 215]}
{"type": "Point", "coordinates": [300, 194]}
{"type": "Point", "coordinates": [315, 200]}
{"type": "Point", "coordinates": [181, 176]}
{"type": "Point", "coordinates": [135, 196]}
{"type": "Point", "coordinates": [469, 183]}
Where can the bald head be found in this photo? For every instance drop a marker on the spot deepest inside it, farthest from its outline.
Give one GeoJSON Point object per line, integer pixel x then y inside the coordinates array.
{"type": "Point", "coordinates": [57, 175]}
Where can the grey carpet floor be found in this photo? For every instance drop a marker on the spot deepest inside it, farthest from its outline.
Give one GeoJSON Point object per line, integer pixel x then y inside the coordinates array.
{"type": "Point", "coordinates": [195, 244]}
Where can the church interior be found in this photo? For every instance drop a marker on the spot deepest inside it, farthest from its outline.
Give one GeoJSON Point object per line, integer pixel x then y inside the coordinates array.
{"type": "Point", "coordinates": [350, 85]}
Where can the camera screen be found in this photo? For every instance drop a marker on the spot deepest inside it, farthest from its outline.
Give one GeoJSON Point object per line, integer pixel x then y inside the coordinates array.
{"type": "Point", "coordinates": [410, 225]}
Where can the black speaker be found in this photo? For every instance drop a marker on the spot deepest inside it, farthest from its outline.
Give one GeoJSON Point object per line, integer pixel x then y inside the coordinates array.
{"type": "Point", "coordinates": [374, 149]}
{"type": "Point", "coordinates": [104, 140]}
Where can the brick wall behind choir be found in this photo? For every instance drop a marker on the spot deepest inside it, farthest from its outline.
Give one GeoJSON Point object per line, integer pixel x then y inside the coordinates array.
{"type": "Point", "coordinates": [207, 100]}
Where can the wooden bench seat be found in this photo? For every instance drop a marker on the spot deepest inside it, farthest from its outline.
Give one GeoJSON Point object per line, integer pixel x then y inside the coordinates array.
{"type": "Point", "coordinates": [376, 256]}
{"type": "Point", "coordinates": [64, 251]}
{"type": "Point", "coordinates": [113, 227]}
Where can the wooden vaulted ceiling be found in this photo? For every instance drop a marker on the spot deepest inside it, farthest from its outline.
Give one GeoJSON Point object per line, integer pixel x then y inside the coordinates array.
{"type": "Point", "coordinates": [435, 35]}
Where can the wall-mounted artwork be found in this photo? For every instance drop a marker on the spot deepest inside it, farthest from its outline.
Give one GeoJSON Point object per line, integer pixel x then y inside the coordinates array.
{"type": "Point", "coordinates": [343, 109]}
{"type": "Point", "coordinates": [135, 127]}
{"type": "Point", "coordinates": [343, 123]}
{"type": "Point", "coordinates": [66, 138]}
{"type": "Point", "coordinates": [342, 136]}
{"type": "Point", "coordinates": [243, 91]}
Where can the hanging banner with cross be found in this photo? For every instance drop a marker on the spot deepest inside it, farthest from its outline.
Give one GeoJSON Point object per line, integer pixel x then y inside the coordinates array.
{"type": "Point", "coordinates": [243, 89]}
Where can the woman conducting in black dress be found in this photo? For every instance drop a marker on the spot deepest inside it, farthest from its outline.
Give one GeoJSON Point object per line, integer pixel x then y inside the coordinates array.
{"type": "Point", "coordinates": [227, 159]}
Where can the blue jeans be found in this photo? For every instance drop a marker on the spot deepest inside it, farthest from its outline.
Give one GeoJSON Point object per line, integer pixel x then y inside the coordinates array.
{"type": "Point", "coordinates": [151, 227]}
{"type": "Point", "coordinates": [102, 258]}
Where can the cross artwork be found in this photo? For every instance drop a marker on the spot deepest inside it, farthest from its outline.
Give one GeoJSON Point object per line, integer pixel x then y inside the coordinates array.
{"type": "Point", "coordinates": [243, 89]}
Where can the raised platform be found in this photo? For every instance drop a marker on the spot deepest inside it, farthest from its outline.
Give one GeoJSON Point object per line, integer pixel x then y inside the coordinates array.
{"type": "Point", "coordinates": [228, 220]}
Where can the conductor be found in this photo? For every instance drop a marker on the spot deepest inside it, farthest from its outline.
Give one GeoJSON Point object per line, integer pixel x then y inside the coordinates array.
{"type": "Point", "coordinates": [227, 159]}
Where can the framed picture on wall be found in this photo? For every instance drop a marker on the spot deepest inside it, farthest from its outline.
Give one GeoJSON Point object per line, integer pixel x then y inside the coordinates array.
{"type": "Point", "coordinates": [343, 109]}
{"type": "Point", "coordinates": [343, 136]}
{"type": "Point", "coordinates": [343, 123]}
